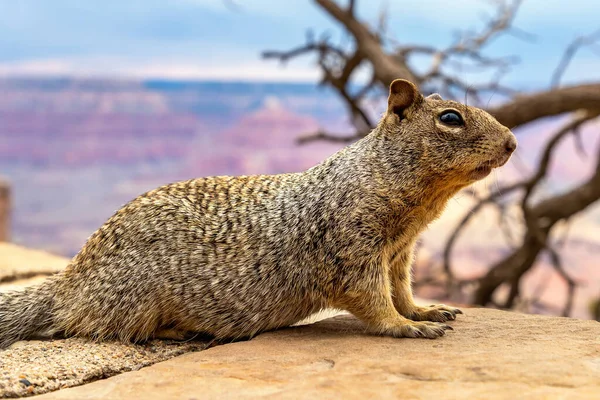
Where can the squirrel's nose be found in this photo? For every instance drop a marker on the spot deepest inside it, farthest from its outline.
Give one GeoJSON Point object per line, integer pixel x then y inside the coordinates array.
{"type": "Point", "coordinates": [510, 145]}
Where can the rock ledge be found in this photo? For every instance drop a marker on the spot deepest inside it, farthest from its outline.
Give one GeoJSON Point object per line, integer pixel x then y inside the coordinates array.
{"type": "Point", "coordinates": [490, 355]}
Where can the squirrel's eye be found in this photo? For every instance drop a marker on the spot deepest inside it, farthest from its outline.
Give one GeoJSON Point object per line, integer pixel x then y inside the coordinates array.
{"type": "Point", "coordinates": [450, 117]}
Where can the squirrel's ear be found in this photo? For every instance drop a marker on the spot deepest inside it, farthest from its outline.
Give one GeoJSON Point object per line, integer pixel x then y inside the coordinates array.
{"type": "Point", "coordinates": [403, 94]}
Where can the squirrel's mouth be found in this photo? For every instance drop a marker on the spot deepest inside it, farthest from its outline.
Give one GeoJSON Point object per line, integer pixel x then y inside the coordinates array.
{"type": "Point", "coordinates": [481, 172]}
{"type": "Point", "coordinates": [486, 167]}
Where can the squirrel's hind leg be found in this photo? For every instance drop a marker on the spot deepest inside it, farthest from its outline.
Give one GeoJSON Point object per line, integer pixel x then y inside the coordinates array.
{"type": "Point", "coordinates": [172, 334]}
{"type": "Point", "coordinates": [180, 335]}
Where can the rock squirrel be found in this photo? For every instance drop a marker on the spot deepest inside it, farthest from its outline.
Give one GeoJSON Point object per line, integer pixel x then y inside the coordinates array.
{"type": "Point", "coordinates": [230, 257]}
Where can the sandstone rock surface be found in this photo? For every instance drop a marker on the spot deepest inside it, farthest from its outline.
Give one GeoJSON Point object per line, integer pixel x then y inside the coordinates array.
{"type": "Point", "coordinates": [17, 262]}
{"type": "Point", "coordinates": [490, 355]}
{"type": "Point", "coordinates": [34, 367]}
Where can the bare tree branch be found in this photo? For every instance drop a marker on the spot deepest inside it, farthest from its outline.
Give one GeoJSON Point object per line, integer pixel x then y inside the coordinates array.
{"type": "Point", "coordinates": [385, 67]}
{"type": "Point", "coordinates": [337, 67]}
{"type": "Point", "coordinates": [351, 7]}
{"type": "Point", "coordinates": [531, 220]}
{"type": "Point", "coordinates": [321, 47]}
{"type": "Point", "coordinates": [595, 309]}
{"type": "Point", "coordinates": [548, 212]}
{"type": "Point", "coordinates": [571, 284]}
{"type": "Point", "coordinates": [582, 41]}
{"type": "Point", "coordinates": [531, 107]}
{"type": "Point", "coordinates": [501, 24]}
{"type": "Point", "coordinates": [445, 75]}
{"type": "Point", "coordinates": [447, 256]}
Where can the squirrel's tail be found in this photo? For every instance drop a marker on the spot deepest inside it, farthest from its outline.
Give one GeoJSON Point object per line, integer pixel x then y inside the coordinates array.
{"type": "Point", "coordinates": [26, 313]}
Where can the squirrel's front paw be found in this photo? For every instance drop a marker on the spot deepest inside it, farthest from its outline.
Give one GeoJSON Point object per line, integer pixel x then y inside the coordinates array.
{"type": "Point", "coordinates": [429, 330]}
{"type": "Point", "coordinates": [403, 328]}
{"type": "Point", "coordinates": [435, 312]}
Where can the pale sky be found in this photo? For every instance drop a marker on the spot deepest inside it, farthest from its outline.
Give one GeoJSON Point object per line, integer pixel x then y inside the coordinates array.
{"type": "Point", "coordinates": [209, 39]}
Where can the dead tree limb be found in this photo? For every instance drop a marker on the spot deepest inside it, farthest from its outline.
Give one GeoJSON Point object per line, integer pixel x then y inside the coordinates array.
{"type": "Point", "coordinates": [548, 212]}
{"type": "Point", "coordinates": [531, 107]}
{"type": "Point", "coordinates": [582, 41]}
{"type": "Point", "coordinates": [390, 58]}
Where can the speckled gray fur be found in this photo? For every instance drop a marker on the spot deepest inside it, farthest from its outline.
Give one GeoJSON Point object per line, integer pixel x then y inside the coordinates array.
{"type": "Point", "coordinates": [233, 256]}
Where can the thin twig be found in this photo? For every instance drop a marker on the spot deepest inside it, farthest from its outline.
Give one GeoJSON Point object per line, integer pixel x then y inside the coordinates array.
{"type": "Point", "coordinates": [577, 44]}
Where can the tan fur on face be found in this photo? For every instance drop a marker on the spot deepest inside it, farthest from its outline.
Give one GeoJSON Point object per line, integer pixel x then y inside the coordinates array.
{"type": "Point", "coordinates": [234, 256]}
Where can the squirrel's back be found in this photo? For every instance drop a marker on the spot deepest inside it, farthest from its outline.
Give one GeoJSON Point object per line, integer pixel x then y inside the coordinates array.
{"type": "Point", "coordinates": [221, 248]}
{"type": "Point", "coordinates": [225, 256]}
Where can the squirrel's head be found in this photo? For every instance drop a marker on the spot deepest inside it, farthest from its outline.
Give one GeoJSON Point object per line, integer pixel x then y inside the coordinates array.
{"type": "Point", "coordinates": [457, 143]}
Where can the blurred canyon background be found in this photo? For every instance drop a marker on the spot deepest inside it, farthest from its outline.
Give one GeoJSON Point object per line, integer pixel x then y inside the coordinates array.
{"type": "Point", "coordinates": [102, 101]}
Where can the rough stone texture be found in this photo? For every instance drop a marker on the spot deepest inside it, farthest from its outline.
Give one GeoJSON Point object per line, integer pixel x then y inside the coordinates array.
{"type": "Point", "coordinates": [491, 355]}
{"type": "Point", "coordinates": [35, 367]}
{"type": "Point", "coordinates": [19, 262]}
